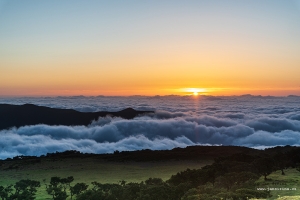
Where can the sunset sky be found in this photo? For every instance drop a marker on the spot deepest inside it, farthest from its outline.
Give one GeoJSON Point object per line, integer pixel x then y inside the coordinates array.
{"type": "Point", "coordinates": [218, 47]}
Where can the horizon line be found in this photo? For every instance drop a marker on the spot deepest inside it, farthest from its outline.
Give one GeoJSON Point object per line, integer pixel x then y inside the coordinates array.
{"type": "Point", "coordinates": [137, 95]}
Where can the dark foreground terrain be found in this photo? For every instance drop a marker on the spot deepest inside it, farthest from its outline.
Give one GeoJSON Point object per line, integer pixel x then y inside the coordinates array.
{"type": "Point", "coordinates": [29, 114]}
{"type": "Point", "coordinates": [197, 172]}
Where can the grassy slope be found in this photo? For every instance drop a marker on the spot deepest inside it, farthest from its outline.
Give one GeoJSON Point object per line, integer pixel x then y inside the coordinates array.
{"type": "Point", "coordinates": [92, 169]}
{"type": "Point", "coordinates": [277, 181]}
{"type": "Point", "coordinates": [135, 167]}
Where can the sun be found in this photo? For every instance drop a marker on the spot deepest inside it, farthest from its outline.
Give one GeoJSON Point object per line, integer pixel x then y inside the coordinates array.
{"type": "Point", "coordinates": [194, 91]}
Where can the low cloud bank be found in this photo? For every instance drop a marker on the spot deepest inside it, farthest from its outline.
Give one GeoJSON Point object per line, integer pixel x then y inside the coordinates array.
{"type": "Point", "coordinates": [149, 132]}
{"type": "Point", "coordinates": [13, 144]}
{"type": "Point", "coordinates": [252, 121]}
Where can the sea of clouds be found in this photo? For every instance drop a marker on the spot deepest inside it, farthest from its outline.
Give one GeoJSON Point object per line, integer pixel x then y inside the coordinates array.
{"type": "Point", "coordinates": [252, 121]}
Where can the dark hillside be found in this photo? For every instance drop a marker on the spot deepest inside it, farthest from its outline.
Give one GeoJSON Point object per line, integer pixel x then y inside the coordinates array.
{"type": "Point", "coordinates": [188, 153]}
{"type": "Point", "coordinates": [29, 114]}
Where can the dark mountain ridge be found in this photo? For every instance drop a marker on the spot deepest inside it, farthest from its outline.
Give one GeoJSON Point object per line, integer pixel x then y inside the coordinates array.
{"type": "Point", "coordinates": [29, 114]}
{"type": "Point", "coordinates": [189, 153]}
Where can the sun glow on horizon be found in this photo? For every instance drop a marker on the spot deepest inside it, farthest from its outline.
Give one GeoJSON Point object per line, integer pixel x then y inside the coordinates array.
{"type": "Point", "coordinates": [194, 91]}
{"type": "Point", "coordinates": [189, 48]}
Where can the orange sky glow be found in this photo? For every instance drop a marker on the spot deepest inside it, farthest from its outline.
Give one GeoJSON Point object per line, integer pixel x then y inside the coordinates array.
{"type": "Point", "coordinates": [97, 48]}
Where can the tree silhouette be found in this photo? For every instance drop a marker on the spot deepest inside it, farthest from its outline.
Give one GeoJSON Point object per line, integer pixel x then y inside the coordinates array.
{"type": "Point", "coordinates": [25, 189]}
{"type": "Point", "coordinates": [5, 192]}
{"type": "Point", "coordinates": [57, 187]}
{"type": "Point", "coordinates": [264, 166]}
{"type": "Point", "coordinates": [78, 188]}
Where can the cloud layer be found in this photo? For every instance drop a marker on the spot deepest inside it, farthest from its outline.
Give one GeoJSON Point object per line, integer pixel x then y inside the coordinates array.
{"type": "Point", "coordinates": [251, 122]}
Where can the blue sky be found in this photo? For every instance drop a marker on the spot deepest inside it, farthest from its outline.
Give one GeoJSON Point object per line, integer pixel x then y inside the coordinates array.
{"type": "Point", "coordinates": [173, 41]}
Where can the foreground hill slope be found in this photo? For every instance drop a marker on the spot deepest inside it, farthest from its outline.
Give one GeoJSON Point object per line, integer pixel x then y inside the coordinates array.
{"type": "Point", "coordinates": [207, 172]}
{"type": "Point", "coordinates": [29, 114]}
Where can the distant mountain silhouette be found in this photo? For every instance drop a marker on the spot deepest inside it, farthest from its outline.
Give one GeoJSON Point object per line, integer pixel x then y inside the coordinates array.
{"type": "Point", "coordinates": [29, 114]}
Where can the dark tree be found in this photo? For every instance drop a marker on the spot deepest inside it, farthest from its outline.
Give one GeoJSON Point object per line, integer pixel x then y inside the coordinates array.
{"type": "Point", "coordinates": [102, 191]}
{"type": "Point", "coordinates": [264, 166]}
{"type": "Point", "coordinates": [131, 190]}
{"type": "Point", "coordinates": [157, 192]}
{"type": "Point", "coordinates": [66, 182]}
{"type": "Point", "coordinates": [78, 188]}
{"type": "Point", "coordinates": [25, 189]}
{"type": "Point", "coordinates": [91, 195]}
{"type": "Point", "coordinates": [227, 180]}
{"type": "Point", "coordinates": [57, 188]}
{"type": "Point", "coordinates": [235, 179]}
{"type": "Point", "coordinates": [281, 161]}
{"type": "Point", "coordinates": [5, 192]}
{"type": "Point", "coordinates": [154, 181]}
{"type": "Point", "coordinates": [195, 177]}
